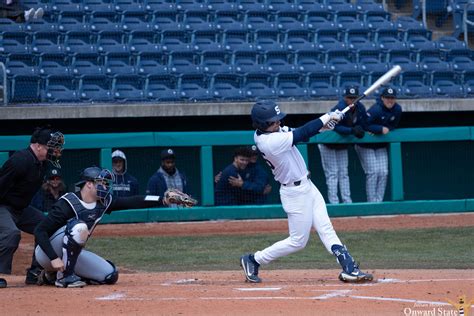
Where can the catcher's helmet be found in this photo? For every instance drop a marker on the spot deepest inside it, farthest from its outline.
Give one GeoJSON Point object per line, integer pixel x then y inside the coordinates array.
{"type": "Point", "coordinates": [102, 178]}
{"type": "Point", "coordinates": [264, 113]}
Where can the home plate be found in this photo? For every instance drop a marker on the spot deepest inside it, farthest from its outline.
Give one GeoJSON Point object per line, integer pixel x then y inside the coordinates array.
{"type": "Point", "coordinates": [245, 289]}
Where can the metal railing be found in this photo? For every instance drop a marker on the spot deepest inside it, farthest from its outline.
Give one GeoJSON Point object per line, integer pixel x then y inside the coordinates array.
{"type": "Point", "coordinates": [4, 84]}
{"type": "Point", "coordinates": [467, 22]}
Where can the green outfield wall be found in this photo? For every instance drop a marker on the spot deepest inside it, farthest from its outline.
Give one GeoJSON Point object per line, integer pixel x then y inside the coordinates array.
{"type": "Point", "coordinates": [431, 169]}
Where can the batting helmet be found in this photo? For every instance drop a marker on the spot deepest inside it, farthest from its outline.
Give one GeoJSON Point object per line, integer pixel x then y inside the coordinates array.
{"type": "Point", "coordinates": [102, 178]}
{"type": "Point", "coordinates": [264, 113]}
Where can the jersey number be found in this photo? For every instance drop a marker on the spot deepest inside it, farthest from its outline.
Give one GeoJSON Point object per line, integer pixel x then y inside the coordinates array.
{"type": "Point", "coordinates": [267, 161]}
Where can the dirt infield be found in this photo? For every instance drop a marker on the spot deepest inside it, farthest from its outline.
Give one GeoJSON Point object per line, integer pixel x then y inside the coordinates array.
{"type": "Point", "coordinates": [284, 292]}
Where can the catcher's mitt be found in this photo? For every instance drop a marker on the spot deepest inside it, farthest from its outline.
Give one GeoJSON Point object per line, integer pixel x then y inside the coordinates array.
{"type": "Point", "coordinates": [173, 196]}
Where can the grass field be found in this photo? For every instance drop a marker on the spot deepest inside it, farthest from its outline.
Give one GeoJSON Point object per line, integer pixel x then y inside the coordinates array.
{"type": "Point", "coordinates": [436, 248]}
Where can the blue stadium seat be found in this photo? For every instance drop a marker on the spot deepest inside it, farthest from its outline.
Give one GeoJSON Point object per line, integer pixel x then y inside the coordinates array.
{"type": "Point", "coordinates": [404, 62]}
{"type": "Point", "coordinates": [129, 5]}
{"type": "Point", "coordinates": [281, 5]}
{"type": "Point", "coordinates": [259, 85]}
{"type": "Point", "coordinates": [175, 41]}
{"type": "Point", "coordinates": [291, 85]}
{"type": "Point", "coordinates": [307, 63]}
{"type": "Point", "coordinates": [438, 8]}
{"type": "Point", "coordinates": [14, 42]}
{"type": "Point", "coordinates": [7, 25]}
{"type": "Point", "coordinates": [468, 81]}
{"type": "Point", "coordinates": [194, 87]}
{"type": "Point", "coordinates": [105, 22]}
{"type": "Point", "coordinates": [229, 21]}
{"type": "Point", "coordinates": [380, 25]}
{"type": "Point", "coordinates": [143, 45]}
{"type": "Point", "coordinates": [450, 42]}
{"type": "Point", "coordinates": [421, 54]}
{"type": "Point", "coordinates": [259, 21]}
{"type": "Point", "coordinates": [162, 88]}
{"type": "Point", "coordinates": [227, 87]}
{"type": "Point", "coordinates": [216, 62]}
{"type": "Point", "coordinates": [368, 8]}
{"type": "Point", "coordinates": [268, 40]}
{"type": "Point", "coordinates": [166, 21]}
{"type": "Point", "coordinates": [462, 64]}
{"type": "Point", "coordinates": [430, 64]}
{"type": "Point", "coordinates": [119, 64]}
{"type": "Point", "coordinates": [299, 40]}
{"type": "Point", "coordinates": [290, 21]}
{"type": "Point", "coordinates": [308, 6]}
{"type": "Point", "coordinates": [448, 89]}
{"type": "Point", "coordinates": [80, 43]}
{"type": "Point", "coordinates": [157, 6]}
{"type": "Point", "coordinates": [96, 6]}
{"type": "Point", "coordinates": [279, 62]}
{"type": "Point", "coordinates": [459, 7]}
{"type": "Point", "coordinates": [48, 43]}
{"type": "Point", "coordinates": [409, 26]}
{"type": "Point", "coordinates": [315, 21]}
{"type": "Point", "coordinates": [86, 64]}
{"type": "Point", "coordinates": [206, 41]}
{"type": "Point", "coordinates": [135, 22]}
{"type": "Point", "coordinates": [58, 6]}
{"type": "Point", "coordinates": [60, 89]}
{"type": "Point", "coordinates": [24, 89]}
{"type": "Point", "coordinates": [184, 63]}
{"type": "Point", "coordinates": [191, 5]}
{"type": "Point", "coordinates": [309, 57]}
{"type": "Point", "coordinates": [198, 21]}
{"type": "Point", "coordinates": [128, 88]}
{"type": "Point", "coordinates": [341, 8]}
{"type": "Point", "coordinates": [416, 89]}
{"type": "Point", "coordinates": [238, 41]}
{"type": "Point", "coordinates": [20, 64]}
{"type": "Point", "coordinates": [111, 42]}
{"type": "Point", "coordinates": [363, 47]}
{"type": "Point", "coordinates": [222, 5]}
{"type": "Point", "coordinates": [370, 64]}
{"type": "Point", "coordinates": [350, 78]}
{"type": "Point", "coordinates": [54, 65]}
{"type": "Point", "coordinates": [329, 43]}
{"type": "Point", "coordinates": [419, 42]}
{"type": "Point", "coordinates": [246, 61]}
{"type": "Point", "coordinates": [72, 23]}
{"type": "Point", "coordinates": [152, 64]}
{"type": "Point", "coordinates": [95, 88]}
{"type": "Point", "coordinates": [251, 5]}
{"type": "Point", "coordinates": [320, 86]}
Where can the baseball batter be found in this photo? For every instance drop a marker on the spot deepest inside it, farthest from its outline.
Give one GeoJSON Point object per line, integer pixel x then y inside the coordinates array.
{"type": "Point", "coordinates": [301, 200]}
{"type": "Point", "coordinates": [62, 235]}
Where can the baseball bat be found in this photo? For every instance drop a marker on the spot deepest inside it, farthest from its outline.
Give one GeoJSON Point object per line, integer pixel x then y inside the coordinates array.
{"type": "Point", "coordinates": [381, 81]}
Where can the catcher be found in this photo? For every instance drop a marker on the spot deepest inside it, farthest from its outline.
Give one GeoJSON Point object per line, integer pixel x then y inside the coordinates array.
{"type": "Point", "coordinates": [62, 235]}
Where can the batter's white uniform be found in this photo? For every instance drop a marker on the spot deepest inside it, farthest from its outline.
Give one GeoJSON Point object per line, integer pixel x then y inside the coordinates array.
{"type": "Point", "coordinates": [303, 203]}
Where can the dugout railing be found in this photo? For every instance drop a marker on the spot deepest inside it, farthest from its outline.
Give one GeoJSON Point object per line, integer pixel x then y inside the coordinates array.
{"type": "Point", "coordinates": [206, 142]}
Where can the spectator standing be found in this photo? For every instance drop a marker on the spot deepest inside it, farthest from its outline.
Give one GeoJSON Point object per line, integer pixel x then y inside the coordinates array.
{"type": "Point", "coordinates": [168, 176]}
{"type": "Point", "coordinates": [51, 190]}
{"type": "Point", "coordinates": [124, 183]}
{"type": "Point", "coordinates": [16, 11]}
{"type": "Point", "coordinates": [21, 177]}
{"type": "Point", "coordinates": [383, 117]}
{"type": "Point", "coordinates": [335, 157]}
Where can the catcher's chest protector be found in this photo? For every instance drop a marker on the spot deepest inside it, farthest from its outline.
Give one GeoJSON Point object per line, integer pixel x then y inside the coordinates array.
{"type": "Point", "coordinates": [89, 216]}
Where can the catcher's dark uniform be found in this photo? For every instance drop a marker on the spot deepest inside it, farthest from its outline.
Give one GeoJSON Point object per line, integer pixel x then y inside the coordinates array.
{"type": "Point", "coordinates": [69, 209]}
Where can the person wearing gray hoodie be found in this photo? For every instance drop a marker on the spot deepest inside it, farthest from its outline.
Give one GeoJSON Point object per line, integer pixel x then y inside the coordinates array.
{"type": "Point", "coordinates": [124, 183]}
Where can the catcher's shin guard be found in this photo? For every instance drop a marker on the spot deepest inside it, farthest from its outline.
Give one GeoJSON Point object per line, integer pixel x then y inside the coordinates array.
{"type": "Point", "coordinates": [350, 270]}
{"type": "Point", "coordinates": [75, 238]}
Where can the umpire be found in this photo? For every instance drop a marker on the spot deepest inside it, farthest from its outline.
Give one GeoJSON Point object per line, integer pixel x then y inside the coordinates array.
{"type": "Point", "coordinates": [21, 177]}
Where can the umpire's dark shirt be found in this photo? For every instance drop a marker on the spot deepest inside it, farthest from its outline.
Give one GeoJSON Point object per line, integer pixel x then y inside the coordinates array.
{"type": "Point", "coordinates": [20, 178]}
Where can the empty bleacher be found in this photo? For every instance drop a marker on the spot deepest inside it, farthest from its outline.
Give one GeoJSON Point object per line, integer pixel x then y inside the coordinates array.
{"type": "Point", "coordinates": [214, 50]}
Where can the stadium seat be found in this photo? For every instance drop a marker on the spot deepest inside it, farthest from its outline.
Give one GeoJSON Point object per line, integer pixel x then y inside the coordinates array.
{"type": "Point", "coordinates": [279, 62]}
{"type": "Point", "coordinates": [462, 64]}
{"type": "Point", "coordinates": [430, 64]}
{"type": "Point", "coordinates": [308, 57]}
{"type": "Point", "coordinates": [368, 8]}
{"type": "Point", "coordinates": [135, 22]}
{"type": "Point", "coordinates": [409, 26]}
{"type": "Point", "coordinates": [339, 64]}
{"type": "Point", "coordinates": [227, 87]}
{"type": "Point", "coordinates": [416, 89]}
{"type": "Point", "coordinates": [268, 40]}
{"type": "Point", "coordinates": [320, 87]}
{"type": "Point", "coordinates": [128, 88]}
{"type": "Point", "coordinates": [73, 23]}
{"type": "Point", "coordinates": [404, 62]}
{"type": "Point", "coordinates": [79, 43]}
{"type": "Point", "coordinates": [104, 22]}
{"type": "Point", "coordinates": [58, 6]}
{"type": "Point", "coordinates": [60, 89]}
{"type": "Point", "coordinates": [467, 80]}
{"type": "Point", "coordinates": [419, 42]}
{"type": "Point", "coordinates": [197, 21]}
{"type": "Point", "coordinates": [251, 5]}
{"type": "Point", "coordinates": [458, 8]}
{"type": "Point", "coordinates": [202, 41]}
{"type": "Point", "coordinates": [20, 64]}
{"type": "Point", "coordinates": [350, 78]}
{"type": "Point", "coordinates": [322, 24]}
{"type": "Point", "coordinates": [129, 5]}
{"type": "Point", "coordinates": [143, 45]}
{"type": "Point", "coordinates": [24, 89]}
{"type": "Point", "coordinates": [281, 5]}
{"type": "Point", "coordinates": [448, 89]}
{"type": "Point", "coordinates": [259, 21]}
{"type": "Point", "coordinates": [341, 8]}
{"type": "Point", "coordinates": [166, 21]}
{"type": "Point", "coordinates": [370, 64]}
{"type": "Point", "coordinates": [290, 85]}
{"type": "Point", "coordinates": [47, 42]}
{"type": "Point", "coordinates": [157, 6]}
{"type": "Point", "coordinates": [152, 64]}
{"type": "Point", "coordinates": [7, 25]}
{"type": "Point", "coordinates": [86, 64]}
{"type": "Point", "coordinates": [54, 65]}
{"type": "Point", "coordinates": [307, 6]}
{"type": "Point", "coordinates": [238, 41]}
{"type": "Point", "coordinates": [95, 88]}
{"type": "Point", "coordinates": [162, 88]}
{"type": "Point", "coordinates": [191, 5]}
{"type": "Point", "coordinates": [246, 61]}
{"type": "Point", "coordinates": [229, 21]}
{"type": "Point", "coordinates": [438, 8]}
{"type": "Point", "coordinates": [111, 42]}
{"type": "Point", "coordinates": [259, 85]}
{"type": "Point", "coordinates": [290, 21]}
{"type": "Point", "coordinates": [216, 62]}
{"type": "Point", "coordinates": [308, 63]}
{"type": "Point", "coordinates": [175, 41]}
{"type": "Point", "coordinates": [184, 63]}
{"type": "Point", "coordinates": [119, 64]}
{"type": "Point", "coordinates": [14, 43]}
{"type": "Point", "coordinates": [222, 5]}
{"type": "Point", "coordinates": [299, 40]}
{"type": "Point", "coordinates": [98, 6]}
{"type": "Point", "coordinates": [194, 87]}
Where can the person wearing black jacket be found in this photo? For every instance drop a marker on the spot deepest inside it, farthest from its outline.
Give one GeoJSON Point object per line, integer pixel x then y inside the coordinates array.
{"type": "Point", "coordinates": [62, 235]}
{"type": "Point", "coordinates": [20, 178]}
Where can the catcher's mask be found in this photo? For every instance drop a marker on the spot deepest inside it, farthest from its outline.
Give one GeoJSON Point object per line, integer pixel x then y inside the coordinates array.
{"type": "Point", "coordinates": [103, 180]}
{"type": "Point", "coordinates": [265, 113]}
{"type": "Point", "coordinates": [54, 141]}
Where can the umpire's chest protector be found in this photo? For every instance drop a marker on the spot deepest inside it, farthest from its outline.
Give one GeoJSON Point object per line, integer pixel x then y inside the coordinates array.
{"type": "Point", "coordinates": [88, 216]}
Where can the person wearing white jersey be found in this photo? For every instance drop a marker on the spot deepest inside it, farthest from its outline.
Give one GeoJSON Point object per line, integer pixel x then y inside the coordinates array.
{"type": "Point", "coordinates": [301, 200]}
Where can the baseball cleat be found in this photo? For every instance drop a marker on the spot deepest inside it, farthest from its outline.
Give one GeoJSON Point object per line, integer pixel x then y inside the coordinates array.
{"type": "Point", "coordinates": [47, 278]}
{"type": "Point", "coordinates": [355, 276]}
{"type": "Point", "coordinates": [32, 276]}
{"type": "Point", "coordinates": [70, 281]}
{"type": "Point", "coordinates": [250, 268]}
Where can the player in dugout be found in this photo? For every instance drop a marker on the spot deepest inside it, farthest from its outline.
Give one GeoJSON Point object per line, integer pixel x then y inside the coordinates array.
{"type": "Point", "coordinates": [62, 235]}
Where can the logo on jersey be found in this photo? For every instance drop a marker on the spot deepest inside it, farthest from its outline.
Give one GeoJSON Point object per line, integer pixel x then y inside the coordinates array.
{"type": "Point", "coordinates": [277, 109]}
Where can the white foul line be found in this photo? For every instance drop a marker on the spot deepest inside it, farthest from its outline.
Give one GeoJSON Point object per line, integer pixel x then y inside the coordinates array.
{"type": "Point", "coordinates": [244, 289]}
